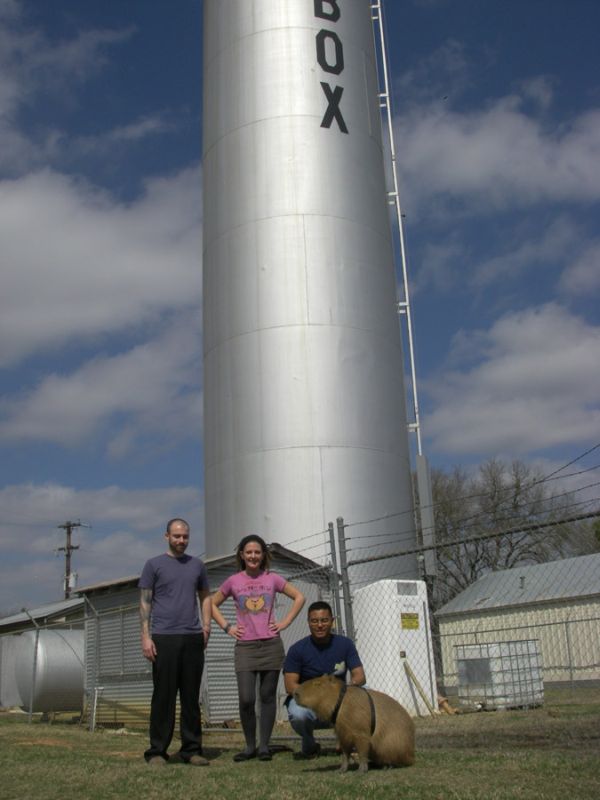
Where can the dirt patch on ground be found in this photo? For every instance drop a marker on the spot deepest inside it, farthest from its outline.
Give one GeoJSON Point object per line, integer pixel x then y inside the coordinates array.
{"type": "Point", "coordinates": [538, 729]}
{"type": "Point", "coordinates": [45, 743]}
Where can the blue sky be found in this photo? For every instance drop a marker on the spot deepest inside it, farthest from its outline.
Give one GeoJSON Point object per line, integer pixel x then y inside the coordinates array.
{"type": "Point", "coordinates": [497, 125]}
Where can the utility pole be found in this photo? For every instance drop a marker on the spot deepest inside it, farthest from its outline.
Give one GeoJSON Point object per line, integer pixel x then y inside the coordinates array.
{"type": "Point", "coordinates": [68, 549]}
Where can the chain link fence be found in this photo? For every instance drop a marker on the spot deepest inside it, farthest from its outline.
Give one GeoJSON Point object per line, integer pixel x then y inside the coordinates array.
{"type": "Point", "coordinates": [507, 640]}
{"type": "Point", "coordinates": [512, 638]}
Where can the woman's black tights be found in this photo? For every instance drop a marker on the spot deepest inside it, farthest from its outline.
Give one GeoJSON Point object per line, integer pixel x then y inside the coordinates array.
{"type": "Point", "coordinates": [268, 706]}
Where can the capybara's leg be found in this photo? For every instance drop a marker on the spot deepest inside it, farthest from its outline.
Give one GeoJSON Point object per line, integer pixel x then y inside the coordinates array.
{"type": "Point", "coordinates": [344, 762]}
{"type": "Point", "coordinates": [362, 748]}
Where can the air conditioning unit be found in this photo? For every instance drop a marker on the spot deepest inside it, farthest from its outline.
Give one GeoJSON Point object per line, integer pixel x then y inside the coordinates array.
{"type": "Point", "coordinates": [393, 638]}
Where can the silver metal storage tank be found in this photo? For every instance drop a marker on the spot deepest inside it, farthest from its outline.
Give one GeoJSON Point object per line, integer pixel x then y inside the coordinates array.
{"type": "Point", "coordinates": [9, 694]}
{"type": "Point", "coordinates": [52, 678]}
{"type": "Point", "coordinates": [304, 415]}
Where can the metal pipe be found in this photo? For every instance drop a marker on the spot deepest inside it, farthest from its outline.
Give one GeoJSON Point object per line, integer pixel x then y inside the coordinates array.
{"type": "Point", "coordinates": [347, 598]}
{"type": "Point", "coordinates": [34, 666]}
{"type": "Point", "coordinates": [335, 578]}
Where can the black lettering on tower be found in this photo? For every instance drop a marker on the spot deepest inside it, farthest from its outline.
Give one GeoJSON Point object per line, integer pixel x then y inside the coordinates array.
{"type": "Point", "coordinates": [332, 14]}
{"type": "Point", "coordinates": [330, 57]}
{"type": "Point", "coordinates": [333, 109]}
{"type": "Point", "coordinates": [338, 65]}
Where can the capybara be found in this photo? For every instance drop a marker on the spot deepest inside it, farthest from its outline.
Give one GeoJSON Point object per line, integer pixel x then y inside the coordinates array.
{"type": "Point", "coordinates": [392, 742]}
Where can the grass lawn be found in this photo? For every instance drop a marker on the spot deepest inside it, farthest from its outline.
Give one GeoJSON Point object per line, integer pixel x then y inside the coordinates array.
{"type": "Point", "coordinates": [550, 752]}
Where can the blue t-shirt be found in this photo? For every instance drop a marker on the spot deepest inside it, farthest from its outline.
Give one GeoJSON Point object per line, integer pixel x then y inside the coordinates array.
{"type": "Point", "coordinates": [310, 660]}
{"type": "Point", "coordinates": [174, 583]}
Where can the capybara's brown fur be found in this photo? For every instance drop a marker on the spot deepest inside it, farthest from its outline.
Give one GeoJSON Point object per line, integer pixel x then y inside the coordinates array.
{"type": "Point", "coordinates": [393, 740]}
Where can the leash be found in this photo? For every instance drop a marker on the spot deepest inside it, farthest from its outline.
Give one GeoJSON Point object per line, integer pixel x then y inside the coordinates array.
{"type": "Point", "coordinates": [340, 700]}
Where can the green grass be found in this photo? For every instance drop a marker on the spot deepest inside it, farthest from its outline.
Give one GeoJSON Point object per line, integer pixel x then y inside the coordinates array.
{"type": "Point", "coordinates": [549, 753]}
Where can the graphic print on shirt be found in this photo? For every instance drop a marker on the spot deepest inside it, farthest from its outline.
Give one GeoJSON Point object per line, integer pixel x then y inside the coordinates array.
{"type": "Point", "coordinates": [340, 669]}
{"type": "Point", "coordinates": [254, 604]}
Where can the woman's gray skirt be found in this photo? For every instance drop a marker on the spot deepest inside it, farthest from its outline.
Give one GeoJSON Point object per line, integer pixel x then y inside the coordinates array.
{"type": "Point", "coordinates": [261, 654]}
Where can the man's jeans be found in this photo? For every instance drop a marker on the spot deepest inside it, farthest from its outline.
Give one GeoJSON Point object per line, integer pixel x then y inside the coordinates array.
{"type": "Point", "coordinates": [304, 721]}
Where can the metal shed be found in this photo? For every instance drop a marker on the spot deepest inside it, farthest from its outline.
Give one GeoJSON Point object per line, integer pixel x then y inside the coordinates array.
{"type": "Point", "coordinates": [118, 680]}
{"type": "Point", "coordinates": [557, 603]}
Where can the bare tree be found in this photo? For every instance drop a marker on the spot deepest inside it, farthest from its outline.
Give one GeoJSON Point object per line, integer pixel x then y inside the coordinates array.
{"type": "Point", "coordinates": [497, 498]}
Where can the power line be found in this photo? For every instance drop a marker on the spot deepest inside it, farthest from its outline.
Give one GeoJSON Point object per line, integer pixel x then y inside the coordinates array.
{"type": "Point", "coordinates": [586, 453]}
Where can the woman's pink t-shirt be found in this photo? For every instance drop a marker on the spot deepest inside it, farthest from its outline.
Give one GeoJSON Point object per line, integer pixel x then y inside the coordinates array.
{"type": "Point", "coordinates": [254, 602]}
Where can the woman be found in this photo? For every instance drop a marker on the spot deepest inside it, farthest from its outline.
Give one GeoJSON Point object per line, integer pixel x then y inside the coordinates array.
{"type": "Point", "coordinates": [258, 647]}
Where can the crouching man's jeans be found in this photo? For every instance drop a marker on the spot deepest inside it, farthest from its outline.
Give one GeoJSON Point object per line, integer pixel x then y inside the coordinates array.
{"type": "Point", "coordinates": [304, 721]}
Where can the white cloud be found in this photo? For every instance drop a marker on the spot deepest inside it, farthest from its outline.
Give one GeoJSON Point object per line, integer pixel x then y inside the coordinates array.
{"type": "Point", "coordinates": [532, 256]}
{"type": "Point", "coordinates": [9, 9]}
{"type": "Point", "coordinates": [577, 482]}
{"type": "Point", "coordinates": [152, 389]}
{"type": "Point", "coordinates": [582, 277]}
{"type": "Point", "coordinates": [498, 157]}
{"type": "Point", "coordinates": [30, 64]}
{"type": "Point", "coordinates": [550, 245]}
{"type": "Point", "coordinates": [539, 89]}
{"type": "Point", "coordinates": [442, 75]}
{"type": "Point", "coordinates": [51, 503]}
{"type": "Point", "coordinates": [127, 528]}
{"type": "Point", "coordinates": [535, 384]}
{"type": "Point", "coordinates": [107, 140]}
{"type": "Point", "coordinates": [61, 63]}
{"type": "Point", "coordinates": [77, 264]}
{"type": "Point", "coordinates": [442, 266]}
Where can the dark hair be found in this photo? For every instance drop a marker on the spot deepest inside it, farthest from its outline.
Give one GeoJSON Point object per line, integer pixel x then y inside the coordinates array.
{"type": "Point", "coordinates": [266, 559]}
{"type": "Point", "coordinates": [320, 605]}
{"type": "Point", "coordinates": [174, 520]}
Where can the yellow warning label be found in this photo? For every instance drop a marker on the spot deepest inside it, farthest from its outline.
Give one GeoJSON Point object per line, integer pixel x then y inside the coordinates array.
{"type": "Point", "coordinates": [409, 621]}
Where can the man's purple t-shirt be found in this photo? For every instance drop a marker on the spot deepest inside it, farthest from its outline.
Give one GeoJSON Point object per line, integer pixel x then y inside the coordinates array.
{"type": "Point", "coordinates": [174, 583]}
{"type": "Point", "coordinates": [254, 602]}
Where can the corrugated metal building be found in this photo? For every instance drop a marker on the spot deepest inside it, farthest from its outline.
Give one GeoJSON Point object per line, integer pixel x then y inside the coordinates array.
{"type": "Point", "coordinates": [118, 678]}
{"type": "Point", "coordinates": [557, 603]}
{"type": "Point", "coordinates": [62, 615]}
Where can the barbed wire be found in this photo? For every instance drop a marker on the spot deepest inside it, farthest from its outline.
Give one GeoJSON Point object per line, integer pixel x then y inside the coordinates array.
{"type": "Point", "coordinates": [476, 495]}
{"type": "Point", "coordinates": [529, 528]}
{"type": "Point", "coordinates": [410, 535]}
{"type": "Point", "coordinates": [308, 536]}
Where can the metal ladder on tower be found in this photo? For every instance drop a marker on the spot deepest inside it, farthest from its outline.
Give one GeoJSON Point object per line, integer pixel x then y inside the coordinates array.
{"type": "Point", "coordinates": [404, 309]}
{"type": "Point", "coordinates": [427, 559]}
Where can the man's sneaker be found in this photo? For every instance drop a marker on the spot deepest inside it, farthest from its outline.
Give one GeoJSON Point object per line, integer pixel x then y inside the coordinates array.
{"type": "Point", "coordinates": [156, 761]}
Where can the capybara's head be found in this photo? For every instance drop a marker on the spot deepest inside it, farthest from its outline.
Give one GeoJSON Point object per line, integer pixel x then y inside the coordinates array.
{"type": "Point", "coordinates": [319, 694]}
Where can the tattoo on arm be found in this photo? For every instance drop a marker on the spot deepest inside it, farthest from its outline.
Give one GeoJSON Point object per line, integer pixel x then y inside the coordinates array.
{"type": "Point", "coordinates": [145, 608]}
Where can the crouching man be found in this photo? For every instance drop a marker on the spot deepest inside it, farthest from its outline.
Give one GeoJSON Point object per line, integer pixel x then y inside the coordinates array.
{"type": "Point", "coordinates": [321, 653]}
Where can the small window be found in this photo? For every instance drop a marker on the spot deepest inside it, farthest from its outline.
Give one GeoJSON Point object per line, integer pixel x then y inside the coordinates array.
{"type": "Point", "coordinates": [406, 587]}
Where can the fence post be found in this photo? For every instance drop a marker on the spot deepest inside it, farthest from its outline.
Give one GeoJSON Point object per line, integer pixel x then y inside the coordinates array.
{"type": "Point", "coordinates": [569, 653]}
{"type": "Point", "coordinates": [97, 688]}
{"type": "Point", "coordinates": [34, 667]}
{"type": "Point", "coordinates": [335, 579]}
{"type": "Point", "coordinates": [347, 599]}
